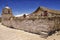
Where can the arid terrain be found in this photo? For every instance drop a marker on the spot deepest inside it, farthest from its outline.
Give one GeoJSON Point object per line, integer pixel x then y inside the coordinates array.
{"type": "Point", "coordinates": [13, 34]}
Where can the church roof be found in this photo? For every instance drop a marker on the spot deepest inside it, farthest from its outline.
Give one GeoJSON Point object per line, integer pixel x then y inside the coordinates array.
{"type": "Point", "coordinates": [42, 9]}
{"type": "Point", "coordinates": [7, 7]}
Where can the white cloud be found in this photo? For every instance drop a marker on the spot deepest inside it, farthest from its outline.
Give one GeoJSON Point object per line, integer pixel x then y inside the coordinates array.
{"type": "Point", "coordinates": [20, 15]}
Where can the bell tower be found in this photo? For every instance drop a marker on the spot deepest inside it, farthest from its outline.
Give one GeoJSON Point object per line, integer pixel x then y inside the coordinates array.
{"type": "Point", "coordinates": [6, 14]}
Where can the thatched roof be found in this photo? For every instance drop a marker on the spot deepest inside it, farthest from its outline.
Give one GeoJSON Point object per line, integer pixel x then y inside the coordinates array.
{"type": "Point", "coordinates": [41, 8]}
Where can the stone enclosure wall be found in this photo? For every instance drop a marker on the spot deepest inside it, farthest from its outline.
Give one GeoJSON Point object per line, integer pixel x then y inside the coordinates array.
{"type": "Point", "coordinates": [43, 26]}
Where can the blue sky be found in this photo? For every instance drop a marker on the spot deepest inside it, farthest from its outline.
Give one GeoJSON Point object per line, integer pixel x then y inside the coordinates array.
{"type": "Point", "coordinates": [28, 6]}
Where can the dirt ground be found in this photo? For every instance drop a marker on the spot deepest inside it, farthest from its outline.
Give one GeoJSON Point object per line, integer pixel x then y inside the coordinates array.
{"type": "Point", "coordinates": [13, 34]}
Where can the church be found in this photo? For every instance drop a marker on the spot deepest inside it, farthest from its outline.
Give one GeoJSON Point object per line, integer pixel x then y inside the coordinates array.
{"type": "Point", "coordinates": [6, 14]}
{"type": "Point", "coordinates": [34, 24]}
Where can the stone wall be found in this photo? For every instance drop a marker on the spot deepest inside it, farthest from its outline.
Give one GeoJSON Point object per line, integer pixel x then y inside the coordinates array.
{"type": "Point", "coordinates": [39, 26]}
